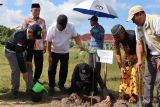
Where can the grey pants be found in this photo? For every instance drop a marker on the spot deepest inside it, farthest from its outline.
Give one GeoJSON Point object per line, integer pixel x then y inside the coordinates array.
{"type": "Point", "coordinates": [151, 74]}
{"type": "Point", "coordinates": [15, 74]}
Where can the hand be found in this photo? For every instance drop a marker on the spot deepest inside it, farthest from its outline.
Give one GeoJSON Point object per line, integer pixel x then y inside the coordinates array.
{"type": "Point", "coordinates": [122, 72]}
{"type": "Point", "coordinates": [29, 65]}
{"type": "Point", "coordinates": [108, 101]}
{"type": "Point", "coordinates": [25, 76]}
{"type": "Point", "coordinates": [139, 66]}
{"type": "Point", "coordinates": [158, 64]}
{"type": "Point", "coordinates": [82, 48]}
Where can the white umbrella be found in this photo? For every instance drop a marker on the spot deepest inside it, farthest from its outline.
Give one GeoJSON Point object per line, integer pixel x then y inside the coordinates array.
{"type": "Point", "coordinates": [97, 8]}
{"type": "Point", "coordinates": [1, 2]}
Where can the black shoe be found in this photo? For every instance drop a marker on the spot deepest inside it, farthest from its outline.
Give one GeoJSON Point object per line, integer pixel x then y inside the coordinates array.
{"type": "Point", "coordinates": [51, 92]}
{"type": "Point", "coordinates": [62, 88]}
{"type": "Point", "coordinates": [28, 91]}
{"type": "Point", "coordinates": [147, 105]}
{"type": "Point", "coordinates": [15, 94]}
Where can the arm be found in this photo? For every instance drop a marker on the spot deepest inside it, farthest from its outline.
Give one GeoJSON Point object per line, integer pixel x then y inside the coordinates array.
{"type": "Point", "coordinates": [119, 60]}
{"type": "Point", "coordinates": [104, 89]}
{"type": "Point", "coordinates": [118, 53]}
{"type": "Point", "coordinates": [22, 64]}
{"type": "Point", "coordinates": [49, 39]}
{"type": "Point", "coordinates": [139, 53]}
{"type": "Point", "coordinates": [101, 83]}
{"type": "Point", "coordinates": [44, 33]}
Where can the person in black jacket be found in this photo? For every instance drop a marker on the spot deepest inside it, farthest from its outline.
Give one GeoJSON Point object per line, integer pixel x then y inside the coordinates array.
{"type": "Point", "coordinates": [17, 44]}
{"type": "Point", "coordinates": [84, 80]}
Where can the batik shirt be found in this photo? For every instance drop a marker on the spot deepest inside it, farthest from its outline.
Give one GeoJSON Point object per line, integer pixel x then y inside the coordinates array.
{"type": "Point", "coordinates": [39, 43]}
{"type": "Point", "coordinates": [97, 37]}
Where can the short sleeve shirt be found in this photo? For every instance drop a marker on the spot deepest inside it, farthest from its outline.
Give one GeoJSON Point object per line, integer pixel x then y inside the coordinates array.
{"type": "Point", "coordinates": [60, 39]}
{"type": "Point", "coordinates": [156, 25]}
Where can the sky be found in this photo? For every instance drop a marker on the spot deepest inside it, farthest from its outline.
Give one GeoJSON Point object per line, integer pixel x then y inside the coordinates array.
{"type": "Point", "coordinates": [13, 12]}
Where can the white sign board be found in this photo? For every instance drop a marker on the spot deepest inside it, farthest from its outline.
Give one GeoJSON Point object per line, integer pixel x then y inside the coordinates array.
{"type": "Point", "coordinates": [106, 56]}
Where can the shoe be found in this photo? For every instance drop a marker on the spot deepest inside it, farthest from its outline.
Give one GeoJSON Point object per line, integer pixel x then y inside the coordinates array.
{"type": "Point", "coordinates": [51, 92]}
{"type": "Point", "coordinates": [28, 91]}
{"type": "Point", "coordinates": [62, 88]}
{"type": "Point", "coordinates": [15, 94]}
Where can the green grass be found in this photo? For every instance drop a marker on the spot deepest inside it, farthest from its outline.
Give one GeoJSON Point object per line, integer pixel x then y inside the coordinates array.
{"type": "Point", "coordinates": [112, 82]}
{"type": "Point", "coordinates": [5, 75]}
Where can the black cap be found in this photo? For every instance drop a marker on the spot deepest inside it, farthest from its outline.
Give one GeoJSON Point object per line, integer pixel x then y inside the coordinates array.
{"type": "Point", "coordinates": [93, 18]}
{"type": "Point", "coordinates": [36, 31]}
{"type": "Point", "coordinates": [84, 71]}
{"type": "Point", "coordinates": [116, 29]}
{"type": "Point", "coordinates": [62, 21]}
{"type": "Point", "coordinates": [35, 5]}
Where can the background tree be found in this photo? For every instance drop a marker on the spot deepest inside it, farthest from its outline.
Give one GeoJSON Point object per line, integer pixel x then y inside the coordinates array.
{"type": "Point", "coordinates": [5, 33]}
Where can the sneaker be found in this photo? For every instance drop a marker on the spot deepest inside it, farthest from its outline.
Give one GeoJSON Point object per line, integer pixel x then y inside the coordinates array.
{"type": "Point", "coordinates": [51, 92]}
{"type": "Point", "coordinates": [15, 94]}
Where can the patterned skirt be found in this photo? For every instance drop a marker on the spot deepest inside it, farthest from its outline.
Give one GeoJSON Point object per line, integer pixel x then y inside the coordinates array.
{"type": "Point", "coordinates": [129, 85]}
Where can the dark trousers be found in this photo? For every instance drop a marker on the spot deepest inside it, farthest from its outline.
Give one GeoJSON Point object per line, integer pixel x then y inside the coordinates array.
{"type": "Point", "coordinates": [93, 62]}
{"type": "Point", "coordinates": [64, 58]}
{"type": "Point", "coordinates": [38, 61]}
{"type": "Point", "coordinates": [84, 89]}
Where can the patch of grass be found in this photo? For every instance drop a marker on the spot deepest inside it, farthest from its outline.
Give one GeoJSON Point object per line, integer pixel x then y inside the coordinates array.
{"type": "Point", "coordinates": [5, 75]}
{"type": "Point", "coordinates": [113, 73]}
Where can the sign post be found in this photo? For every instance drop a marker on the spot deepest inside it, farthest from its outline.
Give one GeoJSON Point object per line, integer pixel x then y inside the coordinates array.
{"type": "Point", "coordinates": [106, 56]}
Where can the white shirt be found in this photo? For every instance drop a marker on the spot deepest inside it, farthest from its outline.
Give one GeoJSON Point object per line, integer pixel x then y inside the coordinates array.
{"type": "Point", "coordinates": [60, 39]}
{"type": "Point", "coordinates": [156, 26]}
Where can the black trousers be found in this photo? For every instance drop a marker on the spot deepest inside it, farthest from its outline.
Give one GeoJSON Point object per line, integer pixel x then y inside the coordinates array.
{"type": "Point", "coordinates": [38, 61]}
{"type": "Point", "coordinates": [63, 58]}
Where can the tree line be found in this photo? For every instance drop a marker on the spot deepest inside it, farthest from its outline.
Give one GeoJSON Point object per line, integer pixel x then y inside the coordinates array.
{"type": "Point", "coordinates": [5, 32]}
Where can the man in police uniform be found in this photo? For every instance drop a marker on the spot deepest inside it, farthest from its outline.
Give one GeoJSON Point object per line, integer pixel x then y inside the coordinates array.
{"type": "Point", "coordinates": [15, 47]}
